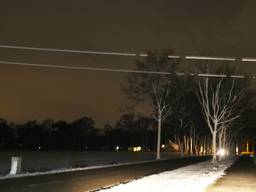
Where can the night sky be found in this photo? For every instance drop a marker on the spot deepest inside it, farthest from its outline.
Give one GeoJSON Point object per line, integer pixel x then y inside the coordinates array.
{"type": "Point", "coordinates": [222, 28]}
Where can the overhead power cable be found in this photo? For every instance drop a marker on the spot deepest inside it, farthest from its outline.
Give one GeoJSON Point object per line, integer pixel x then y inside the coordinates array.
{"type": "Point", "coordinates": [129, 54]}
{"type": "Point", "coordinates": [68, 50]}
{"type": "Point", "coordinates": [68, 67]}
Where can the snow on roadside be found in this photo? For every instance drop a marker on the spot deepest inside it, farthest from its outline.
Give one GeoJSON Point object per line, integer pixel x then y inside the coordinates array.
{"type": "Point", "coordinates": [192, 178]}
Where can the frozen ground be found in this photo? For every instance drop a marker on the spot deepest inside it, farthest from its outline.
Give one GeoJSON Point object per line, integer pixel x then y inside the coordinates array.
{"type": "Point", "coordinates": [57, 161]}
{"type": "Point", "coordinates": [192, 178]}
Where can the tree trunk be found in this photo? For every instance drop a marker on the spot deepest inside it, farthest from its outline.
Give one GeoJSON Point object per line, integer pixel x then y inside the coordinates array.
{"type": "Point", "coordinates": [194, 142]}
{"type": "Point", "coordinates": [191, 142]}
{"type": "Point", "coordinates": [188, 145]}
{"type": "Point", "coordinates": [208, 145]}
{"type": "Point", "coordinates": [185, 143]}
{"type": "Point", "coordinates": [159, 135]}
{"type": "Point", "coordinates": [181, 146]}
{"type": "Point", "coordinates": [225, 146]}
{"type": "Point", "coordinates": [220, 145]}
{"type": "Point", "coordinates": [204, 145]}
{"type": "Point", "coordinates": [214, 151]}
{"type": "Point", "coordinates": [181, 149]}
{"type": "Point", "coordinates": [181, 139]}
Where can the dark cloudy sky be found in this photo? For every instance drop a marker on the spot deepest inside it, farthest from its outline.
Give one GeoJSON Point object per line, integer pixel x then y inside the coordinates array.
{"type": "Point", "coordinates": [195, 27]}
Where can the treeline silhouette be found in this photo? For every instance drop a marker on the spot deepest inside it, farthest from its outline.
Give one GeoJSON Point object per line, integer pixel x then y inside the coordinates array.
{"type": "Point", "coordinates": [81, 134]}
{"type": "Point", "coordinates": [130, 130]}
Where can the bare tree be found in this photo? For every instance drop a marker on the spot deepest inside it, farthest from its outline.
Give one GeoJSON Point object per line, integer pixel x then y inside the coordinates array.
{"type": "Point", "coordinates": [153, 88]}
{"type": "Point", "coordinates": [161, 108]}
{"type": "Point", "coordinates": [219, 101]}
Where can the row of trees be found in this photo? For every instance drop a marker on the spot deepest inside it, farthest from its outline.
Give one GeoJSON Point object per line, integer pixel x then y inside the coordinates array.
{"type": "Point", "coordinates": [130, 130]}
{"type": "Point", "coordinates": [218, 101]}
{"type": "Point", "coordinates": [81, 134]}
{"type": "Point", "coordinates": [46, 134]}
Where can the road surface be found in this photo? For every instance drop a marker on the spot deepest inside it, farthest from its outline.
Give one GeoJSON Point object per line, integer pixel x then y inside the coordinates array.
{"type": "Point", "coordinates": [89, 180]}
{"type": "Point", "coordinates": [240, 177]}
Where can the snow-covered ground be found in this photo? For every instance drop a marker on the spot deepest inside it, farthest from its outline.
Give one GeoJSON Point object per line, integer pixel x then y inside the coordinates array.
{"type": "Point", "coordinates": [192, 178]}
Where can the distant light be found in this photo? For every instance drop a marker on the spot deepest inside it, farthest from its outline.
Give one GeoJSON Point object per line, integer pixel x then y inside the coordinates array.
{"type": "Point", "coordinates": [137, 149]}
{"type": "Point", "coordinates": [39, 148]}
{"type": "Point", "coordinates": [163, 146]}
{"type": "Point", "coordinates": [237, 150]}
{"type": "Point", "coordinates": [221, 152]}
{"type": "Point", "coordinates": [117, 148]}
{"type": "Point", "coordinates": [201, 149]}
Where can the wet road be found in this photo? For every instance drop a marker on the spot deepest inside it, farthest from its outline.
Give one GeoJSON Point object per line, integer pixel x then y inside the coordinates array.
{"type": "Point", "coordinates": [88, 180]}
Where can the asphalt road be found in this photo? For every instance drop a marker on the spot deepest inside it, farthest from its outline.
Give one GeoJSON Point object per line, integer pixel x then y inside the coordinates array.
{"type": "Point", "coordinates": [240, 177]}
{"type": "Point", "coordinates": [89, 180]}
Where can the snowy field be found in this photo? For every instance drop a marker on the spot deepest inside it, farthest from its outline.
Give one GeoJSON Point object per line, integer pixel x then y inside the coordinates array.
{"type": "Point", "coordinates": [52, 161]}
{"type": "Point", "coordinates": [192, 178]}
